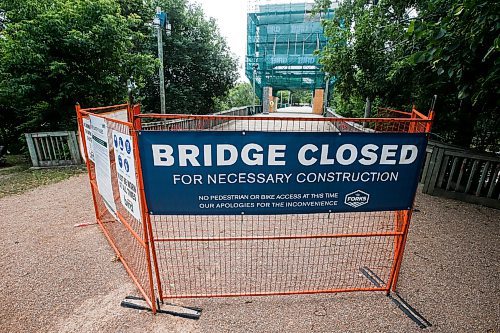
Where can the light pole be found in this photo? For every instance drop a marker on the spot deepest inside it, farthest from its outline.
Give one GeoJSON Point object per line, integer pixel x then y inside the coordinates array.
{"type": "Point", "coordinates": [131, 86]}
{"type": "Point", "coordinates": [254, 74]}
{"type": "Point", "coordinates": [327, 88]}
{"type": "Point", "coordinates": [161, 21]}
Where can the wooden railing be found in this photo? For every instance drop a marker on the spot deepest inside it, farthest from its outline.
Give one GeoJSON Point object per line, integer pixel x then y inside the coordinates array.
{"type": "Point", "coordinates": [450, 171]}
{"type": "Point", "coordinates": [49, 149]}
{"type": "Point", "coordinates": [187, 124]}
{"type": "Point", "coordinates": [457, 173]}
{"type": "Point", "coordinates": [346, 126]}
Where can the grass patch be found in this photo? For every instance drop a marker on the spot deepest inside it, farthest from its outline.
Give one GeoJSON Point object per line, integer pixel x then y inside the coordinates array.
{"type": "Point", "coordinates": [17, 177]}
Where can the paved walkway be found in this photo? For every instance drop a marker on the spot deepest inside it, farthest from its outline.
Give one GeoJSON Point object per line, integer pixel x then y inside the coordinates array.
{"type": "Point", "coordinates": [296, 110]}
{"type": "Point", "coordinates": [57, 278]}
{"type": "Point", "coordinates": [287, 123]}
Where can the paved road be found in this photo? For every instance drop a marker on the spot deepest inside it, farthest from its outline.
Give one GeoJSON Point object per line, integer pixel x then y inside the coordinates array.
{"type": "Point", "coordinates": [58, 278]}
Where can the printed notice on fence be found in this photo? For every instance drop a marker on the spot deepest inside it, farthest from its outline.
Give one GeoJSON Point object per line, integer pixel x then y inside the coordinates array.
{"type": "Point", "coordinates": [268, 201]}
{"type": "Point", "coordinates": [87, 128]}
{"type": "Point", "coordinates": [125, 169]}
{"type": "Point", "coordinates": [237, 172]}
{"type": "Point", "coordinates": [100, 147]}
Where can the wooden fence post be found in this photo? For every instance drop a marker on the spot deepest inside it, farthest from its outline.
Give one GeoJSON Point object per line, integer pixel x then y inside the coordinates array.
{"type": "Point", "coordinates": [31, 149]}
{"type": "Point", "coordinates": [73, 148]}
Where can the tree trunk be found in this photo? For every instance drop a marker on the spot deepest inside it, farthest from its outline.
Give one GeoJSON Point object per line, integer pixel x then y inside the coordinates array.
{"type": "Point", "coordinates": [467, 119]}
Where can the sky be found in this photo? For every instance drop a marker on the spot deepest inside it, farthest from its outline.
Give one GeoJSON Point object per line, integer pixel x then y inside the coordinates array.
{"type": "Point", "coordinates": [232, 21]}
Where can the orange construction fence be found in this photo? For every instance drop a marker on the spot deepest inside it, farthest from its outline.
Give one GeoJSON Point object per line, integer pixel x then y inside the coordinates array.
{"type": "Point", "coordinates": [188, 256]}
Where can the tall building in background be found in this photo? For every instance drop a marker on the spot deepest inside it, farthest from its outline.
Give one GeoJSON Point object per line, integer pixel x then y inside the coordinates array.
{"type": "Point", "coordinates": [282, 37]}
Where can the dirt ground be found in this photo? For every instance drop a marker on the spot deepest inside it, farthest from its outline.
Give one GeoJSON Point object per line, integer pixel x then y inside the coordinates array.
{"type": "Point", "coordinates": [58, 278]}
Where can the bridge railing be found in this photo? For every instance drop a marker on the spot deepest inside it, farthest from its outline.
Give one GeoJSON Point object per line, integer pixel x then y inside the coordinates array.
{"type": "Point", "coordinates": [449, 171]}
{"type": "Point", "coordinates": [413, 125]}
{"type": "Point", "coordinates": [346, 126]}
{"type": "Point", "coordinates": [457, 173]}
{"type": "Point", "coordinates": [187, 124]}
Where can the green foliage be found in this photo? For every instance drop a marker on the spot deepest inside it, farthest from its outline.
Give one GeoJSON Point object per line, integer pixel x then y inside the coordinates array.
{"type": "Point", "coordinates": [63, 52]}
{"type": "Point", "coordinates": [54, 53]}
{"type": "Point", "coordinates": [351, 107]}
{"type": "Point", "coordinates": [363, 44]}
{"type": "Point", "coordinates": [461, 47]}
{"type": "Point", "coordinates": [283, 97]}
{"type": "Point", "coordinates": [198, 65]}
{"type": "Point", "coordinates": [240, 95]}
{"type": "Point", "coordinates": [301, 97]}
{"type": "Point", "coordinates": [399, 53]}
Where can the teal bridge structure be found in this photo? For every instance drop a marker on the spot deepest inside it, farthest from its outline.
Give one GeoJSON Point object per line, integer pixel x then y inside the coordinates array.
{"type": "Point", "coordinates": [283, 41]}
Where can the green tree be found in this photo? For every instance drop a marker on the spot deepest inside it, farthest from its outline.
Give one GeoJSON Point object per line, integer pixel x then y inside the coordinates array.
{"type": "Point", "coordinates": [284, 97]}
{"type": "Point", "coordinates": [54, 53]}
{"type": "Point", "coordinates": [461, 45]}
{"type": "Point", "coordinates": [301, 96]}
{"type": "Point", "coordinates": [240, 95]}
{"type": "Point", "coordinates": [199, 67]}
{"type": "Point", "coordinates": [364, 41]}
{"type": "Point", "coordinates": [57, 53]}
{"type": "Point", "coordinates": [399, 53]}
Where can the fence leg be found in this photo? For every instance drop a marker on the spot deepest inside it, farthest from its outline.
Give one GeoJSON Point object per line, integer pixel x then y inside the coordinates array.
{"type": "Point", "coordinates": [135, 110]}
{"type": "Point", "coordinates": [146, 222]}
{"type": "Point", "coordinates": [87, 161]}
{"type": "Point", "coordinates": [398, 256]}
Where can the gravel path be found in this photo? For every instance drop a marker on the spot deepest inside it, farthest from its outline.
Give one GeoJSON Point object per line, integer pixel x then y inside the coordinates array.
{"type": "Point", "coordinates": [58, 278]}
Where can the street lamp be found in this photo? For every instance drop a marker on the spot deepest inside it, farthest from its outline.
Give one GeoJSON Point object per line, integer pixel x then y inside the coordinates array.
{"type": "Point", "coordinates": [254, 74]}
{"type": "Point", "coordinates": [160, 22]}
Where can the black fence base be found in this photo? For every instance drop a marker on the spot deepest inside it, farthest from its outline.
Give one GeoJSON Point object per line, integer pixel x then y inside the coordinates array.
{"type": "Point", "coordinates": [407, 309]}
{"type": "Point", "coordinates": [139, 303]}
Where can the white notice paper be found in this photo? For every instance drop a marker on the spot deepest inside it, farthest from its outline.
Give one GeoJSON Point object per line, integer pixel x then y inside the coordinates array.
{"type": "Point", "coordinates": [125, 168]}
{"type": "Point", "coordinates": [100, 148]}
{"type": "Point", "coordinates": [87, 128]}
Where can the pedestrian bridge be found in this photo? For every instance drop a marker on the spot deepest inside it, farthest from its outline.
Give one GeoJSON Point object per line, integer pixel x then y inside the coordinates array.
{"type": "Point", "coordinates": [295, 110]}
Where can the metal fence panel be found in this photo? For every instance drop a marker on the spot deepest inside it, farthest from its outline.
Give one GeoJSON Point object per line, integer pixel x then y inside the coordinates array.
{"type": "Point", "coordinates": [128, 236]}
{"type": "Point", "coordinates": [253, 255]}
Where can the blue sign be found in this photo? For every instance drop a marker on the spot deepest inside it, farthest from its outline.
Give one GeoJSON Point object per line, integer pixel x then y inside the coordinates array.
{"type": "Point", "coordinates": [217, 173]}
{"type": "Point", "coordinates": [126, 165]}
{"type": "Point", "coordinates": [128, 147]}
